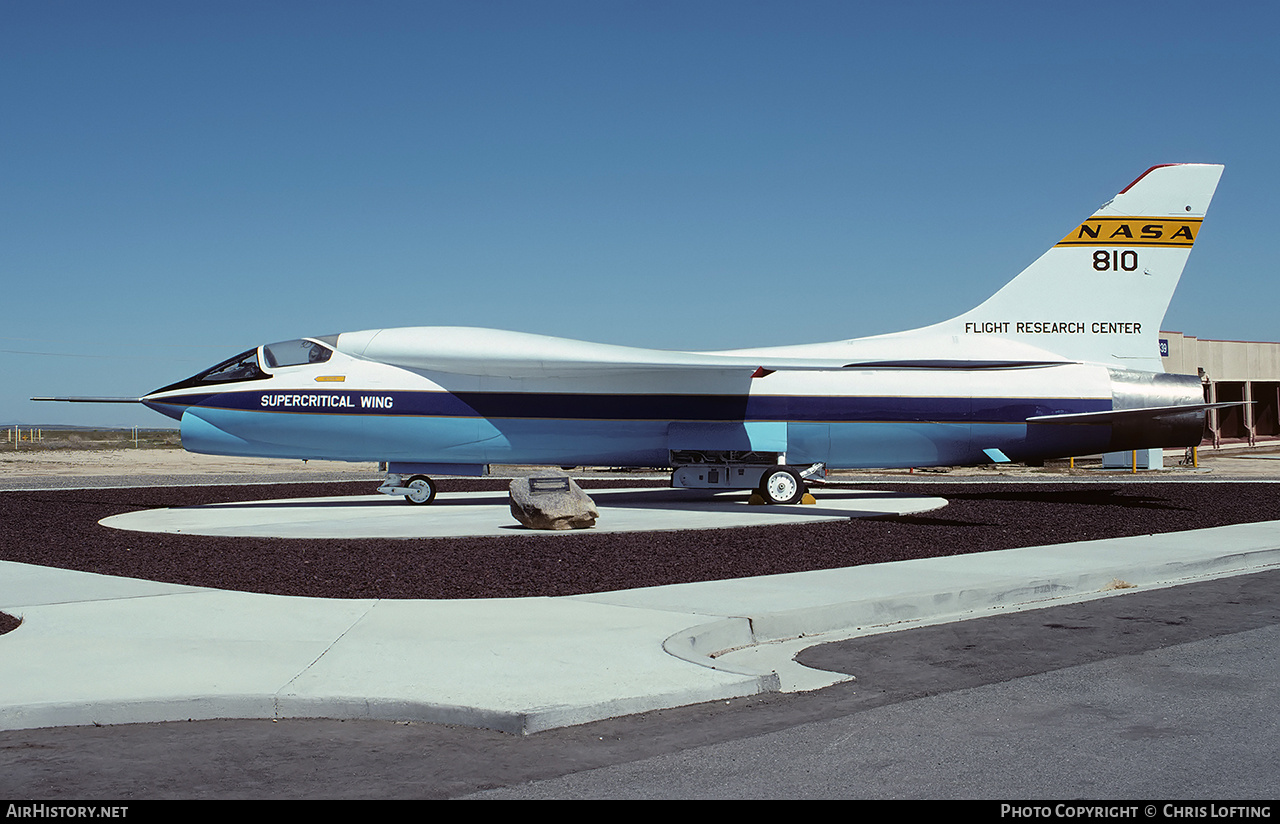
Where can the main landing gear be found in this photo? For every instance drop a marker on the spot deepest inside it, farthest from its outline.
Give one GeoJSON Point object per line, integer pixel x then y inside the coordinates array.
{"type": "Point", "coordinates": [782, 485]}
{"type": "Point", "coordinates": [774, 482]}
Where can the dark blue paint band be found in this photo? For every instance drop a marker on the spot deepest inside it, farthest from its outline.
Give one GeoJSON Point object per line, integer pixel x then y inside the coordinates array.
{"type": "Point", "coordinates": [570, 406]}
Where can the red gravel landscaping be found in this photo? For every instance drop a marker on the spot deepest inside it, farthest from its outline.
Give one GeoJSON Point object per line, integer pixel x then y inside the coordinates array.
{"type": "Point", "coordinates": [59, 528]}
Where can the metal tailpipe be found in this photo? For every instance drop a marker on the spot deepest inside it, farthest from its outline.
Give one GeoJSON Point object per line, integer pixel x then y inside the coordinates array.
{"type": "Point", "coordinates": [1145, 390]}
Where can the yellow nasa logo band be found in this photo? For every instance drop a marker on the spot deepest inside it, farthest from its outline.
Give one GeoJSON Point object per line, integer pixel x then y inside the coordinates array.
{"type": "Point", "coordinates": [1134, 231]}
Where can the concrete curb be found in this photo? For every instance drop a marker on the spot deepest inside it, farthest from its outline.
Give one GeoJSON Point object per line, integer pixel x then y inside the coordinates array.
{"type": "Point", "coordinates": [739, 643]}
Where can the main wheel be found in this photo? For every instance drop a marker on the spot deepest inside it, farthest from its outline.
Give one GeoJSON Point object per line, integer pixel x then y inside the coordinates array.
{"type": "Point", "coordinates": [781, 486]}
{"type": "Point", "coordinates": [422, 490]}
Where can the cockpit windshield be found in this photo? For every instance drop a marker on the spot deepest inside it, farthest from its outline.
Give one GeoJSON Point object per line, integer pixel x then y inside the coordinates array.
{"type": "Point", "coordinates": [294, 353]}
{"type": "Point", "coordinates": [243, 367]}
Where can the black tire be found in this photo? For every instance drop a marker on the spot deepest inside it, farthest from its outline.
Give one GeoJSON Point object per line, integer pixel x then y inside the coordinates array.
{"type": "Point", "coordinates": [424, 490]}
{"type": "Point", "coordinates": [781, 486]}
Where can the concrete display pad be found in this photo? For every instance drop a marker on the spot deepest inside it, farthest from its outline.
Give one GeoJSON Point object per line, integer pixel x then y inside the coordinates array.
{"type": "Point", "coordinates": [93, 649]}
{"type": "Point", "coordinates": [471, 514]}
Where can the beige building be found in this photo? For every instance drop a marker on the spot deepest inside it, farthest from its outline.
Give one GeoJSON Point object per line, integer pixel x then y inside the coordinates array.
{"type": "Point", "coordinates": [1232, 370]}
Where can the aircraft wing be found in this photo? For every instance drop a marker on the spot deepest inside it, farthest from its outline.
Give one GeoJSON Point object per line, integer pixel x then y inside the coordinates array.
{"type": "Point", "coordinates": [499, 353]}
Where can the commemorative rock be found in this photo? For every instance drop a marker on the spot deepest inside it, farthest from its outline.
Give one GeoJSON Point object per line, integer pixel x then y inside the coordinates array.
{"type": "Point", "coordinates": [551, 500]}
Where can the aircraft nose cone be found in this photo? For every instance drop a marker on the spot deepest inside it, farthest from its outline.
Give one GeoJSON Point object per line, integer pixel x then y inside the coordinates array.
{"type": "Point", "coordinates": [171, 407]}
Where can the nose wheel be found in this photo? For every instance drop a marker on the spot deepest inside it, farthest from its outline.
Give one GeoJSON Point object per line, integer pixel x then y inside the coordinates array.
{"type": "Point", "coordinates": [422, 490]}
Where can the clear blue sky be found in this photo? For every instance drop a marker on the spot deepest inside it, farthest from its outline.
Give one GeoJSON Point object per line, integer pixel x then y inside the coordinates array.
{"type": "Point", "coordinates": [185, 180]}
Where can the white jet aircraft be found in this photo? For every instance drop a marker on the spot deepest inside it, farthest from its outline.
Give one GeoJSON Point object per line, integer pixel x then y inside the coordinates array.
{"type": "Point", "coordinates": [1062, 361]}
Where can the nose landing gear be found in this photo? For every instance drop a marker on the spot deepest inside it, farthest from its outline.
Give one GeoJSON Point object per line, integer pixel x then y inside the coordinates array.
{"type": "Point", "coordinates": [418, 490]}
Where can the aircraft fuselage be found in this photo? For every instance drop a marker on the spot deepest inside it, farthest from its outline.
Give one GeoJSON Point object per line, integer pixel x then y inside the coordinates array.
{"type": "Point", "coordinates": [349, 409]}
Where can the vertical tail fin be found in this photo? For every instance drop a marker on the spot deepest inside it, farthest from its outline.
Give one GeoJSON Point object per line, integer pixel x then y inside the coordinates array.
{"type": "Point", "coordinates": [1100, 294]}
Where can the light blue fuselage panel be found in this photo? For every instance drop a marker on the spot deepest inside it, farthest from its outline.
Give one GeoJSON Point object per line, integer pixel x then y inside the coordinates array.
{"type": "Point", "coordinates": [635, 430]}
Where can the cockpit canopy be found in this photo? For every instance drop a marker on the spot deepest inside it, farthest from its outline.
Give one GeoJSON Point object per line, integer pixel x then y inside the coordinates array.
{"type": "Point", "coordinates": [248, 366]}
{"type": "Point", "coordinates": [294, 353]}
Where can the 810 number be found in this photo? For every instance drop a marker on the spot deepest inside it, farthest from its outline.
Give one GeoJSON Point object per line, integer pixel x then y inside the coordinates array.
{"type": "Point", "coordinates": [1126, 261]}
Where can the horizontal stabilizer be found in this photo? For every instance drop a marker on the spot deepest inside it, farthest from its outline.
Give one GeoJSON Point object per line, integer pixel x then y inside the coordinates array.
{"type": "Point", "coordinates": [953, 364]}
{"type": "Point", "coordinates": [1131, 415]}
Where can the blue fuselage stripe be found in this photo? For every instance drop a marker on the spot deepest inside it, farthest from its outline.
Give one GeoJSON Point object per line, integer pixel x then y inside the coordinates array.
{"type": "Point", "coordinates": [587, 407]}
